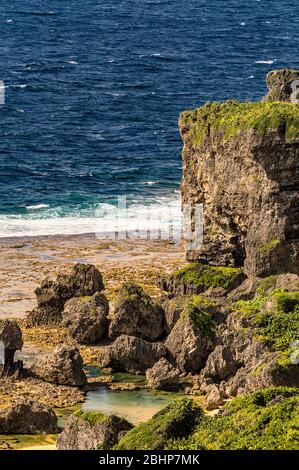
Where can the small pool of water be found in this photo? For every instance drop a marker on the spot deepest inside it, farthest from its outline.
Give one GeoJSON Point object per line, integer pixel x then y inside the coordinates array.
{"type": "Point", "coordinates": [136, 406]}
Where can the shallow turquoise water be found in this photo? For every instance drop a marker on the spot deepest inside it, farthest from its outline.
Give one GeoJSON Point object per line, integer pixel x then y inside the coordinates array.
{"type": "Point", "coordinates": [136, 406]}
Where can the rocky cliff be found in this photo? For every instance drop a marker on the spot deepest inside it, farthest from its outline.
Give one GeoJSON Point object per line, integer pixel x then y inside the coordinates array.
{"type": "Point", "coordinates": [241, 161]}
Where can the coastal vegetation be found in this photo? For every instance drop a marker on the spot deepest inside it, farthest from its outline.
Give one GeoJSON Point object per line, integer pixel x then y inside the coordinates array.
{"type": "Point", "coordinates": [233, 117]}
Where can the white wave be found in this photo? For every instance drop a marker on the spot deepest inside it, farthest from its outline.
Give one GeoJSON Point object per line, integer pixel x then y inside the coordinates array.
{"type": "Point", "coordinates": [37, 206]}
{"type": "Point", "coordinates": [265, 62]}
{"type": "Point", "coordinates": [162, 215]}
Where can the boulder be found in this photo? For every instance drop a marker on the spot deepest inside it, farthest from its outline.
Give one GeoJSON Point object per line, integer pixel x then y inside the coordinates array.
{"type": "Point", "coordinates": [82, 280]}
{"type": "Point", "coordinates": [11, 341]}
{"type": "Point", "coordinates": [281, 85]}
{"type": "Point", "coordinates": [136, 314]}
{"type": "Point", "coordinates": [63, 366]}
{"type": "Point", "coordinates": [91, 430]}
{"type": "Point", "coordinates": [131, 354]}
{"type": "Point", "coordinates": [163, 376]}
{"type": "Point", "coordinates": [214, 398]}
{"type": "Point", "coordinates": [86, 318]}
{"type": "Point", "coordinates": [188, 345]}
{"type": "Point", "coordinates": [28, 417]}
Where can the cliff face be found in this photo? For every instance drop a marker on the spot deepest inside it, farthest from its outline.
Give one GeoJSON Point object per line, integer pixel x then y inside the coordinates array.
{"type": "Point", "coordinates": [241, 161]}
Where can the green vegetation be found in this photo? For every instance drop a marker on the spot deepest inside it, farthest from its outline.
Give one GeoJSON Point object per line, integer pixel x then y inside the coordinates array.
{"type": "Point", "coordinates": [205, 303]}
{"type": "Point", "coordinates": [268, 246]}
{"type": "Point", "coordinates": [275, 317]}
{"type": "Point", "coordinates": [266, 420]}
{"type": "Point", "coordinates": [176, 420]}
{"type": "Point", "coordinates": [201, 319]}
{"type": "Point", "coordinates": [133, 293]}
{"type": "Point", "coordinates": [203, 276]}
{"type": "Point", "coordinates": [231, 117]}
{"type": "Point", "coordinates": [92, 417]}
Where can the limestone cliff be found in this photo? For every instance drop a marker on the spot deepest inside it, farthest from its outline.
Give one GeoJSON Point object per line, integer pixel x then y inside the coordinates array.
{"type": "Point", "coordinates": [241, 161]}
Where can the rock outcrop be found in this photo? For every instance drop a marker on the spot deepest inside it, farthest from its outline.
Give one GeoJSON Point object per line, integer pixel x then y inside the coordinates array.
{"type": "Point", "coordinates": [131, 354]}
{"type": "Point", "coordinates": [63, 366]}
{"type": "Point", "coordinates": [190, 342]}
{"type": "Point", "coordinates": [28, 417]}
{"type": "Point", "coordinates": [82, 280]}
{"type": "Point", "coordinates": [136, 314]}
{"type": "Point", "coordinates": [92, 430]}
{"type": "Point", "coordinates": [11, 342]}
{"type": "Point", "coordinates": [283, 85]}
{"type": "Point", "coordinates": [163, 376]}
{"type": "Point", "coordinates": [240, 160]}
{"type": "Point", "coordinates": [86, 318]}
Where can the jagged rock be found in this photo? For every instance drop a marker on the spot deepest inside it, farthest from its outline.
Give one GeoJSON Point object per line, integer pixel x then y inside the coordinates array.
{"type": "Point", "coordinates": [240, 160]}
{"type": "Point", "coordinates": [28, 417]}
{"type": "Point", "coordinates": [163, 376]}
{"type": "Point", "coordinates": [281, 85]}
{"type": "Point", "coordinates": [82, 280]}
{"type": "Point", "coordinates": [86, 318]}
{"type": "Point", "coordinates": [188, 345]}
{"type": "Point", "coordinates": [136, 314]}
{"type": "Point", "coordinates": [214, 398]}
{"type": "Point", "coordinates": [12, 341]}
{"type": "Point", "coordinates": [63, 366]}
{"type": "Point", "coordinates": [91, 430]}
{"type": "Point", "coordinates": [220, 364]}
{"type": "Point", "coordinates": [131, 354]}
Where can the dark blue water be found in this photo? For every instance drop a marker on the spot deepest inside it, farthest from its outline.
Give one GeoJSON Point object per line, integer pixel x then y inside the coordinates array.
{"type": "Point", "coordinates": [94, 90]}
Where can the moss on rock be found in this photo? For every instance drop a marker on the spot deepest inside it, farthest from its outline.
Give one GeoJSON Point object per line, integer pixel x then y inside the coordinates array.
{"type": "Point", "coordinates": [203, 276]}
{"type": "Point", "coordinates": [231, 117]}
{"type": "Point", "coordinates": [176, 420]}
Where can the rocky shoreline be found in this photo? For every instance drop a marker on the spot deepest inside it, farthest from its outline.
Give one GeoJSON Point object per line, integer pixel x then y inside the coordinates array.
{"type": "Point", "coordinates": [224, 326]}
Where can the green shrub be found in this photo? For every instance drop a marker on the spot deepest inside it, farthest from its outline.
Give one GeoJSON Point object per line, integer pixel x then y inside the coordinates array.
{"type": "Point", "coordinates": [202, 320]}
{"type": "Point", "coordinates": [264, 420]}
{"type": "Point", "coordinates": [278, 326]}
{"type": "Point", "coordinates": [176, 420]}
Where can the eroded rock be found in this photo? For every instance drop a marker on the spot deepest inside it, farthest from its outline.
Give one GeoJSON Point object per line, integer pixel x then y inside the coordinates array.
{"type": "Point", "coordinates": [136, 314]}
{"type": "Point", "coordinates": [131, 354]}
{"type": "Point", "coordinates": [86, 318]}
{"type": "Point", "coordinates": [91, 430]}
{"type": "Point", "coordinates": [282, 85]}
{"type": "Point", "coordinates": [240, 161]}
{"type": "Point", "coordinates": [82, 280]}
{"type": "Point", "coordinates": [63, 366]}
{"type": "Point", "coordinates": [188, 345]}
{"type": "Point", "coordinates": [28, 417]}
{"type": "Point", "coordinates": [11, 341]}
{"type": "Point", "coordinates": [163, 376]}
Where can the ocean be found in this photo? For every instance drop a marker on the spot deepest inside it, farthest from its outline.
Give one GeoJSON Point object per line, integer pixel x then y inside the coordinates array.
{"type": "Point", "coordinates": [93, 91]}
